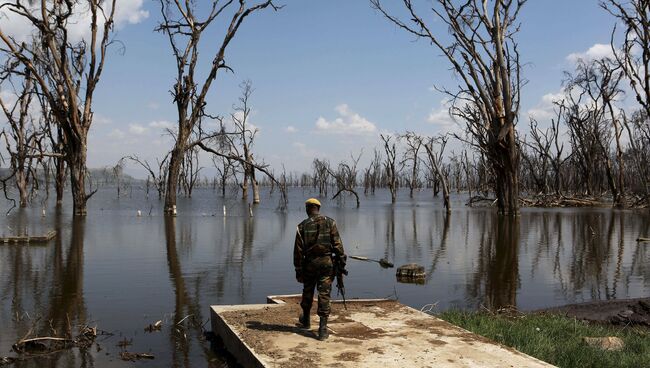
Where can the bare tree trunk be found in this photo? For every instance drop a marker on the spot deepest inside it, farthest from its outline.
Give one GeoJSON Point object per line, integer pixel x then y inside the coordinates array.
{"type": "Point", "coordinates": [77, 164]}
{"type": "Point", "coordinates": [256, 189]}
{"type": "Point", "coordinates": [173, 174]}
{"type": "Point", "coordinates": [59, 180]}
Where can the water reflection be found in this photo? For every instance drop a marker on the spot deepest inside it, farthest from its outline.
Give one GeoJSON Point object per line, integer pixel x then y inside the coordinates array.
{"type": "Point", "coordinates": [126, 271]}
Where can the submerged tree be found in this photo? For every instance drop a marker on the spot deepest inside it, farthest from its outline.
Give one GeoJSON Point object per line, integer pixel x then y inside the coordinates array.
{"type": "Point", "coordinates": [483, 54]}
{"type": "Point", "coordinates": [435, 148]}
{"type": "Point", "coordinates": [66, 71]}
{"type": "Point", "coordinates": [23, 138]}
{"type": "Point", "coordinates": [412, 158]}
{"type": "Point", "coordinates": [180, 22]}
{"type": "Point", "coordinates": [390, 168]}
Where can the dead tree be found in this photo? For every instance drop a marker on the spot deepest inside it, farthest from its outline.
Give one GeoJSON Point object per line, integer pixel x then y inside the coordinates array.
{"type": "Point", "coordinates": [483, 54]}
{"type": "Point", "coordinates": [184, 30]}
{"type": "Point", "coordinates": [117, 172]}
{"type": "Point", "coordinates": [157, 176]}
{"type": "Point", "coordinates": [321, 174]}
{"type": "Point", "coordinates": [633, 54]}
{"type": "Point", "coordinates": [539, 159]}
{"type": "Point", "coordinates": [190, 169]}
{"type": "Point", "coordinates": [67, 72]}
{"type": "Point", "coordinates": [597, 84]}
{"type": "Point", "coordinates": [55, 138]}
{"type": "Point", "coordinates": [633, 57]}
{"type": "Point", "coordinates": [345, 177]}
{"type": "Point", "coordinates": [225, 169]}
{"type": "Point", "coordinates": [389, 165]}
{"type": "Point", "coordinates": [411, 157]}
{"type": "Point", "coordinates": [372, 173]}
{"type": "Point", "coordinates": [225, 166]}
{"type": "Point", "coordinates": [435, 148]}
{"type": "Point", "coordinates": [23, 138]}
{"type": "Point", "coordinates": [243, 136]}
{"type": "Point", "coordinates": [261, 167]}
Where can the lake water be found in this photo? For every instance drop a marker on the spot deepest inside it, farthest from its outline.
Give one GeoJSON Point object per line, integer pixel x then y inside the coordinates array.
{"type": "Point", "coordinates": [122, 272]}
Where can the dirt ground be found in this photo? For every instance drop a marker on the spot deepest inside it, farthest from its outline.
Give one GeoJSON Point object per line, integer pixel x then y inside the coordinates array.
{"type": "Point", "coordinates": [615, 312]}
{"type": "Point", "coordinates": [369, 333]}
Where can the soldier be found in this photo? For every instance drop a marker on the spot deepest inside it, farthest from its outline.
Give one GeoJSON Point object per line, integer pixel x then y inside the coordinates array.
{"type": "Point", "coordinates": [317, 243]}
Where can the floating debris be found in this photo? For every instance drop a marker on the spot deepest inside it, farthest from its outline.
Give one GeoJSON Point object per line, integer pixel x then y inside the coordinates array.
{"type": "Point", "coordinates": [411, 273]}
{"type": "Point", "coordinates": [154, 327]}
{"type": "Point", "coordinates": [132, 357]}
{"type": "Point", "coordinates": [48, 344]}
{"type": "Point", "coordinates": [382, 262]}
{"type": "Point", "coordinates": [29, 239]}
{"type": "Point", "coordinates": [124, 343]}
{"type": "Point", "coordinates": [6, 361]}
{"type": "Point", "coordinates": [643, 240]}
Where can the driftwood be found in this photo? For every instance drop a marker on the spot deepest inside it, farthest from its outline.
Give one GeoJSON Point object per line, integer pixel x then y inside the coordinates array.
{"type": "Point", "coordinates": [643, 240]}
{"type": "Point", "coordinates": [132, 357]}
{"type": "Point", "coordinates": [561, 201]}
{"type": "Point", "coordinates": [382, 262]}
{"type": "Point", "coordinates": [154, 327]}
{"type": "Point", "coordinates": [50, 344]}
{"type": "Point", "coordinates": [7, 361]}
{"type": "Point", "coordinates": [480, 199]}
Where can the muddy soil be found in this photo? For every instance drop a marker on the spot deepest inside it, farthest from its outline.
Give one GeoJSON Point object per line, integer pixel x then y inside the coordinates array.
{"type": "Point", "coordinates": [614, 312]}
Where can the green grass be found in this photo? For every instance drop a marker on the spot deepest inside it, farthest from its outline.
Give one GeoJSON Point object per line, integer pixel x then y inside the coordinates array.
{"type": "Point", "coordinates": [556, 339]}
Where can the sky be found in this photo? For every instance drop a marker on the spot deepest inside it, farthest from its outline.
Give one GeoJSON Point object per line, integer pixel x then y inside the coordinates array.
{"type": "Point", "coordinates": [328, 77]}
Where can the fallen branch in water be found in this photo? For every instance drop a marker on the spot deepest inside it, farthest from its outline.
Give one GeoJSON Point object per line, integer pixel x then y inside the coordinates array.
{"type": "Point", "coordinates": [561, 201]}
{"type": "Point", "coordinates": [479, 199]}
{"type": "Point", "coordinates": [7, 360]}
{"type": "Point", "coordinates": [50, 344]}
{"type": "Point", "coordinates": [132, 357]}
{"type": "Point", "coordinates": [382, 262]}
{"type": "Point", "coordinates": [643, 240]}
{"type": "Point", "coordinates": [154, 327]}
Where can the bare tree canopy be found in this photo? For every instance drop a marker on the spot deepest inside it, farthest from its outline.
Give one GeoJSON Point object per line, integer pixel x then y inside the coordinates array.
{"type": "Point", "coordinates": [66, 71]}
{"type": "Point", "coordinates": [184, 27]}
{"type": "Point", "coordinates": [483, 53]}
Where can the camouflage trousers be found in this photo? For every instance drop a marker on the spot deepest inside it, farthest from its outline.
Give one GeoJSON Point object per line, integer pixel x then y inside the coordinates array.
{"type": "Point", "coordinates": [318, 273]}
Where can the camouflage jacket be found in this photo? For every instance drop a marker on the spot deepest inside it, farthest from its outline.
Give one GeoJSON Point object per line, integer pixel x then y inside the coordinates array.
{"type": "Point", "coordinates": [316, 236]}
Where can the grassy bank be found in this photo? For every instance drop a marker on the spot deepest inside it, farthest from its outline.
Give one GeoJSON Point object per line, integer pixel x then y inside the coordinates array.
{"type": "Point", "coordinates": [557, 340]}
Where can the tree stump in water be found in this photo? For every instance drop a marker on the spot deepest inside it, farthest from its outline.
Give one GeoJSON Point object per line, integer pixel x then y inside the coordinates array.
{"type": "Point", "coordinates": [411, 273]}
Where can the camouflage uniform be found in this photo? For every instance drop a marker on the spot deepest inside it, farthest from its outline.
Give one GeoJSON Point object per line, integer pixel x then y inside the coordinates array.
{"type": "Point", "coordinates": [317, 241]}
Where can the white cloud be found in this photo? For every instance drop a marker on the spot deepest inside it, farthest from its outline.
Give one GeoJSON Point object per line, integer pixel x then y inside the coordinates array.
{"type": "Point", "coordinates": [126, 12]}
{"type": "Point", "coordinates": [304, 150]}
{"type": "Point", "coordinates": [348, 122]}
{"type": "Point", "coordinates": [137, 129]}
{"type": "Point", "coordinates": [595, 52]}
{"type": "Point", "coordinates": [162, 124]}
{"type": "Point", "coordinates": [544, 111]}
{"type": "Point", "coordinates": [441, 118]}
{"type": "Point", "coordinates": [291, 129]}
{"type": "Point", "coordinates": [153, 105]}
{"type": "Point", "coordinates": [101, 120]}
{"type": "Point", "coordinates": [116, 134]}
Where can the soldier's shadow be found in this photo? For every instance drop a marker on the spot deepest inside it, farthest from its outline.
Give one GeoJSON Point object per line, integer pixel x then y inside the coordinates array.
{"type": "Point", "coordinates": [257, 325]}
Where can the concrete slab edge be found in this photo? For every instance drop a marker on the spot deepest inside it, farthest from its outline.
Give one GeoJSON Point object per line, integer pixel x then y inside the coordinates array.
{"type": "Point", "coordinates": [243, 353]}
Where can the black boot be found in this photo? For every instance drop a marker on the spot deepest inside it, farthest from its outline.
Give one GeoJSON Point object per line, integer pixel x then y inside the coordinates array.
{"type": "Point", "coordinates": [323, 334]}
{"type": "Point", "coordinates": [303, 320]}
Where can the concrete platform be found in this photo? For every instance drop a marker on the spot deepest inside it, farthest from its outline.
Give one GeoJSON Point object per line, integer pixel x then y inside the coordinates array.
{"type": "Point", "coordinates": [370, 333]}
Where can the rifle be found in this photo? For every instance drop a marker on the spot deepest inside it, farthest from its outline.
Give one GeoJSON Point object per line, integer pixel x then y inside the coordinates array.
{"type": "Point", "coordinates": [340, 271]}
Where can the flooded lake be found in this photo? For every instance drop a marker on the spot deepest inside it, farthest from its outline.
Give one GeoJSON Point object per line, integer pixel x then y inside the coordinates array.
{"type": "Point", "coordinates": [122, 272]}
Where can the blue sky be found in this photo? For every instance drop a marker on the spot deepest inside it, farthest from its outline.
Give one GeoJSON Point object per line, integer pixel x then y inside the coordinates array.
{"type": "Point", "coordinates": [328, 60]}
